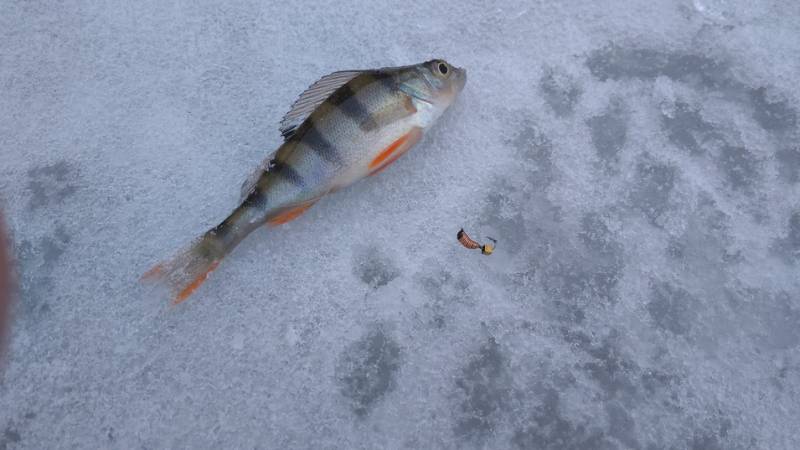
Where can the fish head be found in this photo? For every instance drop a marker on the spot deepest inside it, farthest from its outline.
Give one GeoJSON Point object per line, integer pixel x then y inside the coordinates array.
{"type": "Point", "coordinates": [434, 86]}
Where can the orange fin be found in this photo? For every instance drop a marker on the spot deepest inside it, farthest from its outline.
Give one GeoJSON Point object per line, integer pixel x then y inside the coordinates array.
{"type": "Point", "coordinates": [384, 166]}
{"type": "Point", "coordinates": [187, 291]}
{"type": "Point", "coordinates": [395, 150]}
{"type": "Point", "coordinates": [289, 214]}
{"type": "Point", "coordinates": [153, 273]}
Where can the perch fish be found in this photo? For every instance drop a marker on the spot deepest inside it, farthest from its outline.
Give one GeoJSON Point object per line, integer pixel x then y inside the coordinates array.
{"type": "Point", "coordinates": [346, 126]}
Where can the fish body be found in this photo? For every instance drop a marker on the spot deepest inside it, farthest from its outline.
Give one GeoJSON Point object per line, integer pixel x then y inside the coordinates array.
{"type": "Point", "coordinates": [346, 126]}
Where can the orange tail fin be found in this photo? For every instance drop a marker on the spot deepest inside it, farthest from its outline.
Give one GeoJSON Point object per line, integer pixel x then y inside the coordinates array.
{"type": "Point", "coordinates": [184, 273]}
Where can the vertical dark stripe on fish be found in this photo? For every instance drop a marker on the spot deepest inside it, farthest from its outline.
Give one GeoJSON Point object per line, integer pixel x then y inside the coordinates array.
{"type": "Point", "coordinates": [310, 136]}
{"type": "Point", "coordinates": [387, 80]}
{"type": "Point", "coordinates": [255, 199]}
{"type": "Point", "coordinates": [345, 99]}
{"type": "Point", "coordinates": [287, 172]}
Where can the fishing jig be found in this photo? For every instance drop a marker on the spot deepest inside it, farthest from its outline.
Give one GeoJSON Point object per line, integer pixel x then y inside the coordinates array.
{"type": "Point", "coordinates": [469, 243]}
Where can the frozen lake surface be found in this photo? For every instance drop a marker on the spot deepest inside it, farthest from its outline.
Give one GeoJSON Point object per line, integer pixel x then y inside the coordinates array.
{"type": "Point", "coordinates": [638, 161]}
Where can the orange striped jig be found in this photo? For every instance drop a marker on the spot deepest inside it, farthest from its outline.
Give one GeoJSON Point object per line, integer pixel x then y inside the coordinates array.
{"type": "Point", "coordinates": [471, 244]}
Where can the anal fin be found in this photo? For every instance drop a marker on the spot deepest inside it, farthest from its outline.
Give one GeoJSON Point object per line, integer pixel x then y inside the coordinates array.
{"type": "Point", "coordinates": [289, 214]}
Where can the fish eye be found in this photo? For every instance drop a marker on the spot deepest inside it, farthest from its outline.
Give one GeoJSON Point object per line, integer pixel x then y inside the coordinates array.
{"type": "Point", "coordinates": [441, 68]}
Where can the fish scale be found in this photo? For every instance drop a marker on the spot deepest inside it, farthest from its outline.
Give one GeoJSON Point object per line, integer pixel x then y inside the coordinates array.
{"type": "Point", "coordinates": [346, 126]}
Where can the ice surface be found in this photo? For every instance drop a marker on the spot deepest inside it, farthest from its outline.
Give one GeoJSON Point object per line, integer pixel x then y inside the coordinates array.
{"type": "Point", "coordinates": [638, 162]}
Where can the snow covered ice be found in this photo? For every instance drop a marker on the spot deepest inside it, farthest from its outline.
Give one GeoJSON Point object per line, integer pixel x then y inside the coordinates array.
{"type": "Point", "coordinates": [638, 161]}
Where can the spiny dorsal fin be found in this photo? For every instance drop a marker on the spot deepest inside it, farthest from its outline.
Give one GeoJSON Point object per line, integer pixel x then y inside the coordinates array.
{"type": "Point", "coordinates": [312, 97]}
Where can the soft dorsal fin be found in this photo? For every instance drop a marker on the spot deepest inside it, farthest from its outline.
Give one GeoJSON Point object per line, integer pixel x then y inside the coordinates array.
{"type": "Point", "coordinates": [313, 97]}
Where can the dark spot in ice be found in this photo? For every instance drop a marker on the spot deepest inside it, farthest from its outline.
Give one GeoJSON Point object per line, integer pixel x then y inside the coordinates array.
{"type": "Point", "coordinates": [608, 368]}
{"type": "Point", "coordinates": [443, 287]}
{"type": "Point", "coordinates": [560, 91]}
{"type": "Point", "coordinates": [615, 62]}
{"type": "Point", "coordinates": [621, 425]}
{"type": "Point", "coordinates": [609, 131]}
{"type": "Point", "coordinates": [705, 442]}
{"type": "Point", "coordinates": [570, 311]}
{"type": "Point", "coordinates": [367, 370]}
{"type": "Point", "coordinates": [502, 215]}
{"type": "Point", "coordinates": [725, 426]}
{"type": "Point", "coordinates": [789, 164]}
{"type": "Point", "coordinates": [548, 429]}
{"type": "Point", "coordinates": [52, 247]}
{"type": "Point", "coordinates": [591, 275]}
{"type": "Point", "coordinates": [771, 113]}
{"type": "Point", "coordinates": [576, 277]}
{"type": "Point", "coordinates": [699, 71]}
{"type": "Point", "coordinates": [576, 280]}
{"type": "Point", "coordinates": [789, 246]}
{"type": "Point", "coordinates": [597, 237]}
{"type": "Point", "coordinates": [651, 192]}
{"type": "Point", "coordinates": [36, 265]}
{"type": "Point", "coordinates": [686, 129]}
{"type": "Point", "coordinates": [780, 321]}
{"type": "Point", "coordinates": [739, 165]}
{"type": "Point", "coordinates": [485, 385]}
{"type": "Point", "coordinates": [703, 246]}
{"type": "Point", "coordinates": [51, 184]}
{"type": "Point", "coordinates": [654, 381]}
{"type": "Point", "coordinates": [672, 308]}
{"type": "Point", "coordinates": [577, 338]}
{"type": "Point", "coordinates": [10, 436]}
{"type": "Point", "coordinates": [374, 268]}
{"type": "Point", "coordinates": [534, 146]}
{"type": "Point", "coordinates": [30, 415]}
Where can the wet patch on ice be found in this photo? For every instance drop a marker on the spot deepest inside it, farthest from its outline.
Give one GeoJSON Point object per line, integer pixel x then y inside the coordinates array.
{"type": "Point", "coordinates": [51, 184]}
{"type": "Point", "coordinates": [548, 429]}
{"type": "Point", "coordinates": [789, 164]}
{"type": "Point", "coordinates": [780, 320]}
{"type": "Point", "coordinates": [616, 62]}
{"type": "Point", "coordinates": [769, 108]}
{"type": "Point", "coordinates": [621, 425]}
{"type": "Point", "coordinates": [367, 369]}
{"type": "Point", "coordinates": [576, 273]}
{"type": "Point", "coordinates": [10, 438]}
{"type": "Point", "coordinates": [609, 131]}
{"type": "Point", "coordinates": [703, 245]}
{"type": "Point", "coordinates": [484, 387]}
{"type": "Point", "coordinates": [740, 167]}
{"type": "Point", "coordinates": [687, 129]}
{"type": "Point", "coordinates": [37, 260]}
{"type": "Point", "coordinates": [560, 91]}
{"type": "Point", "coordinates": [374, 268]}
{"type": "Point", "coordinates": [610, 368]}
{"type": "Point", "coordinates": [650, 193]}
{"type": "Point", "coordinates": [772, 111]}
{"type": "Point", "coordinates": [788, 246]}
{"type": "Point", "coordinates": [671, 308]}
{"type": "Point", "coordinates": [535, 149]}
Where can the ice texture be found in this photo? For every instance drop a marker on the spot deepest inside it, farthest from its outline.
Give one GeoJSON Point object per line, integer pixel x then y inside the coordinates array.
{"type": "Point", "coordinates": [638, 162]}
